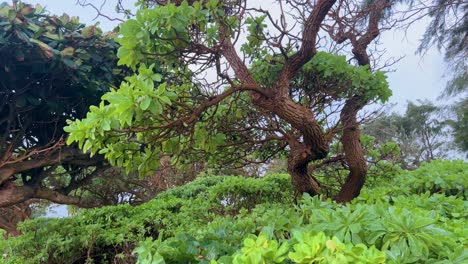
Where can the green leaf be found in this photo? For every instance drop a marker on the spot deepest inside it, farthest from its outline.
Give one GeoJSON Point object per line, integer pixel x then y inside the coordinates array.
{"type": "Point", "coordinates": [87, 146]}
{"type": "Point", "coordinates": [165, 100]}
{"type": "Point", "coordinates": [155, 107]}
{"type": "Point", "coordinates": [106, 125]}
{"type": "Point", "coordinates": [145, 103]}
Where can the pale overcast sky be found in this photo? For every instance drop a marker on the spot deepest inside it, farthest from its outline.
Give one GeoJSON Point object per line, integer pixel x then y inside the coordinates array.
{"type": "Point", "coordinates": [415, 77]}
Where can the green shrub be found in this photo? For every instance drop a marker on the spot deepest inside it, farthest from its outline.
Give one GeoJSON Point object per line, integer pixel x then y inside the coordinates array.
{"type": "Point", "coordinates": [113, 231]}
{"type": "Point", "coordinates": [438, 176]}
{"type": "Point", "coordinates": [247, 220]}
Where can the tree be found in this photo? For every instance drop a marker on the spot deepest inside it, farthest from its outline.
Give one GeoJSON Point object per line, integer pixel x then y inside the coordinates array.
{"type": "Point", "coordinates": [52, 69]}
{"type": "Point", "coordinates": [421, 133]}
{"type": "Point", "coordinates": [199, 91]}
{"type": "Point", "coordinates": [459, 124]}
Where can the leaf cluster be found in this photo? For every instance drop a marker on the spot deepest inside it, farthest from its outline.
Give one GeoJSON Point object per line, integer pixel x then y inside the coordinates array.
{"type": "Point", "coordinates": [165, 32]}
{"type": "Point", "coordinates": [52, 69]}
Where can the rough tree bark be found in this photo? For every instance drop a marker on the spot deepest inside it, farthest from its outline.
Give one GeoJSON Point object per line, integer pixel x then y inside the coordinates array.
{"type": "Point", "coordinates": [350, 139]}
{"type": "Point", "coordinates": [354, 154]}
{"type": "Point", "coordinates": [11, 216]}
{"type": "Point", "coordinates": [298, 162]}
{"type": "Point", "coordinates": [11, 194]}
{"type": "Point", "coordinates": [314, 145]}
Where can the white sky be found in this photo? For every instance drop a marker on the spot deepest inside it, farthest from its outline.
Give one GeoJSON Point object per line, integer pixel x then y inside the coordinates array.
{"type": "Point", "coordinates": [415, 77]}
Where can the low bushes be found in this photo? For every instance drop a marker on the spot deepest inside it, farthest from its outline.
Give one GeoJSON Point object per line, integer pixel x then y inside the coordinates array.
{"type": "Point", "coordinates": [245, 220]}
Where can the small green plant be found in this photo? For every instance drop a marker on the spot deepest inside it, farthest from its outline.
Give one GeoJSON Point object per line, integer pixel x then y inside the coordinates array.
{"type": "Point", "coordinates": [321, 249]}
{"type": "Point", "coordinates": [261, 250]}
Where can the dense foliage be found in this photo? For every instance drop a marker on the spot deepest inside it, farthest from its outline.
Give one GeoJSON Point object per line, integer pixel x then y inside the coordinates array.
{"type": "Point", "coordinates": [418, 217]}
{"type": "Point", "coordinates": [275, 94]}
{"type": "Point", "coordinates": [52, 68]}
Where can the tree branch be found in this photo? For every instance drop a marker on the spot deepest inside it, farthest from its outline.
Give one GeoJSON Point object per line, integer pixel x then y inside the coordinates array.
{"type": "Point", "coordinates": [68, 155]}
{"type": "Point", "coordinates": [307, 49]}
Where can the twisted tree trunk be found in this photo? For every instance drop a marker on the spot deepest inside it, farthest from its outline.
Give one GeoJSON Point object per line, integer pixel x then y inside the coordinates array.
{"type": "Point", "coordinates": [354, 154]}
{"type": "Point", "coordinates": [298, 161]}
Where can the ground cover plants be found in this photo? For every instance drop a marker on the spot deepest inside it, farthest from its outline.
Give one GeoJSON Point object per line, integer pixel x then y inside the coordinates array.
{"type": "Point", "coordinates": [414, 218]}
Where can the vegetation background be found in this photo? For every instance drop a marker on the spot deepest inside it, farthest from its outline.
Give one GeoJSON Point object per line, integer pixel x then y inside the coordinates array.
{"type": "Point", "coordinates": [117, 120]}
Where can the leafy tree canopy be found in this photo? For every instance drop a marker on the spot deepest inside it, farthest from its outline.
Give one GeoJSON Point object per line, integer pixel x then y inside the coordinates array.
{"type": "Point", "coordinates": [52, 69]}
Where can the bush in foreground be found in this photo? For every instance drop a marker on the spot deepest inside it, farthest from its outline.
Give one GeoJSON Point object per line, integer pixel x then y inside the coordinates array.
{"type": "Point", "coordinates": [245, 220]}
